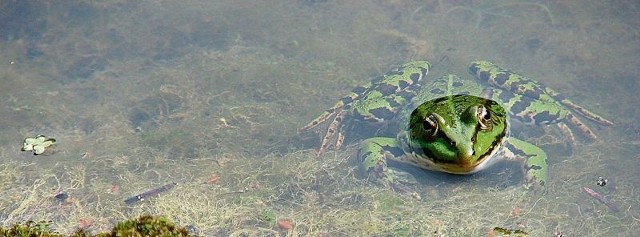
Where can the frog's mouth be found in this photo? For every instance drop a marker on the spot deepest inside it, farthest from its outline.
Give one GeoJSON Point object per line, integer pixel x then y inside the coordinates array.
{"type": "Point", "coordinates": [462, 168]}
{"type": "Point", "coordinates": [451, 168]}
{"type": "Point", "coordinates": [464, 163]}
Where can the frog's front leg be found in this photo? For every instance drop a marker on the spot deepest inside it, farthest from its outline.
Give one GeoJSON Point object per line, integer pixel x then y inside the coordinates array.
{"type": "Point", "coordinates": [374, 154]}
{"type": "Point", "coordinates": [533, 159]}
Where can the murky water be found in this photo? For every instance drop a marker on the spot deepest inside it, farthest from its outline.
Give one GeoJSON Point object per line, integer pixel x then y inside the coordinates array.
{"type": "Point", "coordinates": [210, 94]}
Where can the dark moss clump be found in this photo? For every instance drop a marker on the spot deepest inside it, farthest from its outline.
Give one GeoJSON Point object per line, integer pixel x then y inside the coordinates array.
{"type": "Point", "coordinates": [148, 226]}
{"type": "Point", "coordinates": [30, 228]}
{"type": "Point", "coordinates": [144, 226]}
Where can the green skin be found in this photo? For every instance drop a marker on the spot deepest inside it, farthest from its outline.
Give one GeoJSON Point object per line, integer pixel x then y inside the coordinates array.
{"type": "Point", "coordinates": [453, 125]}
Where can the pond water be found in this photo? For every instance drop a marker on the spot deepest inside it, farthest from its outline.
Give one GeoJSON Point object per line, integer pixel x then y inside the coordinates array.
{"type": "Point", "coordinates": [211, 95]}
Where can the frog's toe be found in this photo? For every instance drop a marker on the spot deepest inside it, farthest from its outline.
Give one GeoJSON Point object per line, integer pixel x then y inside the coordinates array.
{"type": "Point", "coordinates": [334, 126]}
{"type": "Point", "coordinates": [584, 129]}
{"type": "Point", "coordinates": [568, 134]}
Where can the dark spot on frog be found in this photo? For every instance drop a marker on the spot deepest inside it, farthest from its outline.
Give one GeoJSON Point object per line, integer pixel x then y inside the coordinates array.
{"type": "Point", "coordinates": [404, 84]}
{"type": "Point", "coordinates": [347, 100]}
{"type": "Point", "coordinates": [415, 77]}
{"type": "Point", "coordinates": [545, 118]}
{"type": "Point", "coordinates": [520, 106]}
{"type": "Point", "coordinates": [505, 96]}
{"type": "Point", "coordinates": [359, 90]}
{"type": "Point", "coordinates": [387, 89]}
{"type": "Point", "coordinates": [501, 78]}
{"type": "Point", "coordinates": [382, 113]}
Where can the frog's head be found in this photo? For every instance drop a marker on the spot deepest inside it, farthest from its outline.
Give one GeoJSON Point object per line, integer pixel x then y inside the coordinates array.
{"type": "Point", "coordinates": [457, 134]}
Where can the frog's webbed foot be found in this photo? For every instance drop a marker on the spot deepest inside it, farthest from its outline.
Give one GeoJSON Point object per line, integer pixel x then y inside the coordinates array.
{"type": "Point", "coordinates": [566, 131]}
{"type": "Point", "coordinates": [579, 109]}
{"type": "Point", "coordinates": [335, 126]}
{"type": "Point", "coordinates": [576, 123]}
{"type": "Point", "coordinates": [584, 129]}
{"type": "Point", "coordinates": [534, 162]}
{"type": "Point", "coordinates": [338, 113]}
{"type": "Point", "coordinates": [374, 154]}
{"type": "Point", "coordinates": [337, 108]}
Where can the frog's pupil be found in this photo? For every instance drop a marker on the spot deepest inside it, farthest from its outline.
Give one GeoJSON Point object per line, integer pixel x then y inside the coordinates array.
{"type": "Point", "coordinates": [484, 116]}
{"type": "Point", "coordinates": [430, 126]}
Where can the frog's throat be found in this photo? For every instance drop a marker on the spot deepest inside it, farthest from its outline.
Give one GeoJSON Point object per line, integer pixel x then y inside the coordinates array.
{"type": "Point", "coordinates": [416, 155]}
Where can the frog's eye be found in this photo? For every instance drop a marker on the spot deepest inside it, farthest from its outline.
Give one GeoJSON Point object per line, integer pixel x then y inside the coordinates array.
{"type": "Point", "coordinates": [430, 126]}
{"type": "Point", "coordinates": [484, 118]}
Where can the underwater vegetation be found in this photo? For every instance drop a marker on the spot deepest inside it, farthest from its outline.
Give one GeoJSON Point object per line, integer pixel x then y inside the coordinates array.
{"type": "Point", "coordinates": [146, 225]}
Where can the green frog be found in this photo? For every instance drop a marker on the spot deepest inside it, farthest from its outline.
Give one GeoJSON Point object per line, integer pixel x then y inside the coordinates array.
{"type": "Point", "coordinates": [450, 124]}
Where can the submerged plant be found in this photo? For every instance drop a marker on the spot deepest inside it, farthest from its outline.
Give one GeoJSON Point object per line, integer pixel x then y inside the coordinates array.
{"type": "Point", "coordinates": [146, 225]}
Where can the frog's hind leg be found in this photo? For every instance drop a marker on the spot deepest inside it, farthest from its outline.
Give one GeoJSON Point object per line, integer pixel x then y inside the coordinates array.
{"type": "Point", "coordinates": [578, 124]}
{"type": "Point", "coordinates": [334, 126]}
{"type": "Point", "coordinates": [566, 131]}
{"type": "Point", "coordinates": [337, 108]}
{"type": "Point", "coordinates": [581, 110]}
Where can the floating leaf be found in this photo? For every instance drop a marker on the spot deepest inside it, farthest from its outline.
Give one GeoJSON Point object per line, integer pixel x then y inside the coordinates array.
{"type": "Point", "coordinates": [38, 149]}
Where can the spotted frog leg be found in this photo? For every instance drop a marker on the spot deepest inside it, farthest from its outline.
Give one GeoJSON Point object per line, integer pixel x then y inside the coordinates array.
{"type": "Point", "coordinates": [374, 102]}
{"type": "Point", "coordinates": [535, 103]}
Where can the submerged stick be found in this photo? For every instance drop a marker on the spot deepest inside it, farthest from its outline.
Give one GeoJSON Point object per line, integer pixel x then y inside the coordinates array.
{"type": "Point", "coordinates": [601, 199]}
{"type": "Point", "coordinates": [150, 193]}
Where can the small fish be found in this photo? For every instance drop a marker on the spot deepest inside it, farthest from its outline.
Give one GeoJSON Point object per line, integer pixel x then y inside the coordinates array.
{"type": "Point", "coordinates": [150, 193]}
{"type": "Point", "coordinates": [601, 199]}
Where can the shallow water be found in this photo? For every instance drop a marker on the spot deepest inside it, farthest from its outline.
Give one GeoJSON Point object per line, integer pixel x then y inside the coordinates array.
{"type": "Point", "coordinates": [210, 95]}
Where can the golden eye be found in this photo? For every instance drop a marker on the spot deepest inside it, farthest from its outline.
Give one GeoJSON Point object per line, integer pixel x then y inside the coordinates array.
{"type": "Point", "coordinates": [430, 126]}
{"type": "Point", "coordinates": [484, 118]}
